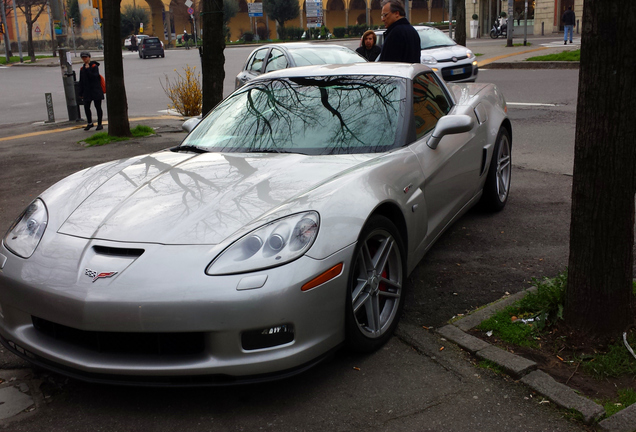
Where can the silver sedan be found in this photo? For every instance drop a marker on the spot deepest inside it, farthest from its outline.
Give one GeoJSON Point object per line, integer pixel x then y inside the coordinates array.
{"type": "Point", "coordinates": [283, 226]}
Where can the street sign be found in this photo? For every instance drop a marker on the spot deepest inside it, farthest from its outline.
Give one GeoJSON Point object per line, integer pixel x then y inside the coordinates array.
{"type": "Point", "coordinates": [190, 11]}
{"type": "Point", "coordinates": [188, 3]}
{"type": "Point", "coordinates": [255, 9]}
{"type": "Point", "coordinates": [37, 29]}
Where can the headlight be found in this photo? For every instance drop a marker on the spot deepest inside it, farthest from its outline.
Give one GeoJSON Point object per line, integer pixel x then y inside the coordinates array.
{"type": "Point", "coordinates": [274, 244]}
{"type": "Point", "coordinates": [429, 60]}
{"type": "Point", "coordinates": [470, 54]}
{"type": "Point", "coordinates": [25, 233]}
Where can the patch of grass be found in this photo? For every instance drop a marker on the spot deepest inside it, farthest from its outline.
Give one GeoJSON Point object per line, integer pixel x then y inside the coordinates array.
{"type": "Point", "coordinates": [487, 364]}
{"type": "Point", "coordinates": [521, 44]}
{"type": "Point", "coordinates": [16, 59]}
{"type": "Point", "coordinates": [572, 55]}
{"type": "Point", "coordinates": [521, 323]}
{"type": "Point", "coordinates": [626, 397]}
{"type": "Point", "coordinates": [102, 138]}
{"type": "Point", "coordinates": [617, 361]}
{"type": "Point", "coordinates": [478, 54]}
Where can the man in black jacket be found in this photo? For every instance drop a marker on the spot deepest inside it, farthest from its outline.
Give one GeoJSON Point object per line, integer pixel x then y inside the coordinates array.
{"type": "Point", "coordinates": [401, 40]}
{"type": "Point", "coordinates": [569, 19]}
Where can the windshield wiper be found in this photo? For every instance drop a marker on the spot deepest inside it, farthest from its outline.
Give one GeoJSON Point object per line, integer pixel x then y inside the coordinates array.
{"type": "Point", "coordinates": [190, 148]}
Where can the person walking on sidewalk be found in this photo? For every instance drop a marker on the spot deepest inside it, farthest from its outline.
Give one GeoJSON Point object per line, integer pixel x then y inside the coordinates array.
{"type": "Point", "coordinates": [568, 19]}
{"type": "Point", "coordinates": [401, 40]}
{"type": "Point", "coordinates": [90, 89]}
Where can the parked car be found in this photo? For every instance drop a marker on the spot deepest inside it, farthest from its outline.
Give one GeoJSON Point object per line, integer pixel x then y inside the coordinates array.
{"type": "Point", "coordinates": [453, 62]}
{"type": "Point", "coordinates": [273, 57]}
{"type": "Point", "coordinates": [128, 44]}
{"type": "Point", "coordinates": [284, 225]}
{"type": "Point", "coordinates": [150, 47]}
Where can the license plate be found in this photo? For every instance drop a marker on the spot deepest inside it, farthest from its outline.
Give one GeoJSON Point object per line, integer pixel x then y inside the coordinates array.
{"type": "Point", "coordinates": [457, 71]}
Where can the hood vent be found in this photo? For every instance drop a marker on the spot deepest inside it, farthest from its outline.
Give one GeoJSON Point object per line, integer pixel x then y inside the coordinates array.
{"type": "Point", "coordinates": [118, 252]}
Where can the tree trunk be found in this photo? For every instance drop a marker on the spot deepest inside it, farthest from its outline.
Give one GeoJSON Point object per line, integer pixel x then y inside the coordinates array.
{"type": "Point", "coordinates": [117, 103]}
{"type": "Point", "coordinates": [460, 26]}
{"type": "Point", "coordinates": [212, 58]}
{"type": "Point", "coordinates": [599, 299]}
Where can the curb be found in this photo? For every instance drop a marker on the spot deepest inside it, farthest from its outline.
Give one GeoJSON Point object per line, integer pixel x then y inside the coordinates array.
{"type": "Point", "coordinates": [526, 371]}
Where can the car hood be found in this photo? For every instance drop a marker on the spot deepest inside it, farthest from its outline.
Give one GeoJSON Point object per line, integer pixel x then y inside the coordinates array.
{"type": "Point", "coordinates": [446, 53]}
{"type": "Point", "coordinates": [180, 198]}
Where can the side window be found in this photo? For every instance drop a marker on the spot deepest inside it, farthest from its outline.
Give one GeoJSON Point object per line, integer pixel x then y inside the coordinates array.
{"type": "Point", "coordinates": [430, 103]}
{"type": "Point", "coordinates": [256, 62]}
{"type": "Point", "coordinates": [276, 61]}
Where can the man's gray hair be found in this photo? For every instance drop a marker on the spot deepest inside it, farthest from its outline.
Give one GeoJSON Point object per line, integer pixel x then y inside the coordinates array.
{"type": "Point", "coordinates": [396, 6]}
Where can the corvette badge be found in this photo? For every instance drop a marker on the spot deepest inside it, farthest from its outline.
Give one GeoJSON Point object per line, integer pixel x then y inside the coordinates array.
{"type": "Point", "coordinates": [97, 275]}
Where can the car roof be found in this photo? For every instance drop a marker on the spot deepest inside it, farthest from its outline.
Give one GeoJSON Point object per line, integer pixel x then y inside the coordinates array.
{"type": "Point", "coordinates": [400, 70]}
{"type": "Point", "coordinates": [299, 45]}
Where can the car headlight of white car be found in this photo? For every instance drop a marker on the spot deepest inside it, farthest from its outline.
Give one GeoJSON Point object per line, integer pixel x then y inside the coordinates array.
{"type": "Point", "coordinates": [271, 245]}
{"type": "Point", "coordinates": [469, 54]}
{"type": "Point", "coordinates": [428, 60]}
{"type": "Point", "coordinates": [27, 230]}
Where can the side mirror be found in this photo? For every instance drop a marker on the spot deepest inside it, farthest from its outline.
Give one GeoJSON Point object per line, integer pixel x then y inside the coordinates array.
{"type": "Point", "coordinates": [448, 125]}
{"type": "Point", "coordinates": [190, 124]}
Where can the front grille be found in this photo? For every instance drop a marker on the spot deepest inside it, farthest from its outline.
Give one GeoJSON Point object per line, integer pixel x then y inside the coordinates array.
{"type": "Point", "coordinates": [151, 344]}
{"type": "Point", "coordinates": [448, 60]}
{"type": "Point", "coordinates": [448, 74]}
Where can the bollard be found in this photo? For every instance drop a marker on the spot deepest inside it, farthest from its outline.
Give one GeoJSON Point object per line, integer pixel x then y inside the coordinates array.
{"type": "Point", "coordinates": [577, 26]}
{"type": "Point", "coordinates": [542, 24]}
{"type": "Point", "coordinates": [49, 108]}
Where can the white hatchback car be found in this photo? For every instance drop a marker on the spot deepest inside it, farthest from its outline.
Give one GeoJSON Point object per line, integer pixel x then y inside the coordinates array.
{"type": "Point", "coordinates": [451, 61]}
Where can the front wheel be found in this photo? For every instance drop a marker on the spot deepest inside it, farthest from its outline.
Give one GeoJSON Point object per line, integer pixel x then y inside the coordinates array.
{"type": "Point", "coordinates": [497, 186]}
{"type": "Point", "coordinates": [494, 34]}
{"type": "Point", "coordinates": [375, 291]}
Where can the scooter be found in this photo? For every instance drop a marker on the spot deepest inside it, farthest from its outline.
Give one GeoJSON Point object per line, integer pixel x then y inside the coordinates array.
{"type": "Point", "coordinates": [499, 29]}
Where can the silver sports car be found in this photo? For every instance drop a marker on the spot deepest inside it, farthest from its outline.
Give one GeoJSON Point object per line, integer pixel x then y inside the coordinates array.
{"type": "Point", "coordinates": [282, 227]}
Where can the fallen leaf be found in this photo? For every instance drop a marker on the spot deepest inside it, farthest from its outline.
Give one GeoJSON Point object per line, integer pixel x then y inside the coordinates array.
{"type": "Point", "coordinates": [356, 368]}
{"type": "Point", "coordinates": [441, 349]}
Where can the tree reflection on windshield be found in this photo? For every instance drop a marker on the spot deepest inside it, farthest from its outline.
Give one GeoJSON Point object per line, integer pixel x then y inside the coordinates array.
{"type": "Point", "coordinates": [316, 115]}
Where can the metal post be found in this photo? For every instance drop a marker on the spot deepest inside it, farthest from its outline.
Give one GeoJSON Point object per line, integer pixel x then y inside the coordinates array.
{"type": "Point", "coordinates": [510, 21]}
{"type": "Point", "coordinates": [7, 42]}
{"type": "Point", "coordinates": [577, 26]}
{"type": "Point", "coordinates": [525, 25]}
{"type": "Point", "coordinates": [17, 30]}
{"type": "Point", "coordinates": [69, 85]}
{"type": "Point", "coordinates": [48, 10]}
{"type": "Point", "coordinates": [406, 11]}
{"type": "Point", "coordinates": [450, 19]}
{"type": "Point", "coordinates": [542, 27]}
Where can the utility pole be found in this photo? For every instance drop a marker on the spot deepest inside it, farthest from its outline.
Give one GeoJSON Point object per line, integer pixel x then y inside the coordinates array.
{"type": "Point", "coordinates": [68, 80]}
{"type": "Point", "coordinates": [17, 30]}
{"type": "Point", "coordinates": [510, 21]}
{"type": "Point", "coordinates": [450, 19]}
{"type": "Point", "coordinates": [7, 42]}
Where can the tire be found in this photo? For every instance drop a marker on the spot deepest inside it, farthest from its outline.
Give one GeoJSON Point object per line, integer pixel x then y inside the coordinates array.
{"type": "Point", "coordinates": [497, 186]}
{"type": "Point", "coordinates": [375, 289]}
{"type": "Point", "coordinates": [493, 34]}
{"type": "Point", "coordinates": [163, 55]}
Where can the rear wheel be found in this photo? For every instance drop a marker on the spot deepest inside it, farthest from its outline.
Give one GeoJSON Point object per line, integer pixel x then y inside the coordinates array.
{"type": "Point", "coordinates": [375, 292]}
{"type": "Point", "coordinates": [497, 186]}
{"type": "Point", "coordinates": [493, 34]}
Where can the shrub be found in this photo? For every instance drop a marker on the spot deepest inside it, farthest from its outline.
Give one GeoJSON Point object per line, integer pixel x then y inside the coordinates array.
{"type": "Point", "coordinates": [262, 32]}
{"type": "Point", "coordinates": [292, 33]}
{"type": "Point", "coordinates": [339, 32]}
{"type": "Point", "coordinates": [247, 36]}
{"type": "Point", "coordinates": [185, 92]}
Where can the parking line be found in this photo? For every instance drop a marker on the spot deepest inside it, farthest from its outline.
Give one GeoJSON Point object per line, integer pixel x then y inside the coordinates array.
{"type": "Point", "coordinates": [494, 59]}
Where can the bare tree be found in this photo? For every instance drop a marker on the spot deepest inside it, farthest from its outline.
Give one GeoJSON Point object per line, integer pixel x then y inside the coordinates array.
{"type": "Point", "coordinates": [212, 58]}
{"type": "Point", "coordinates": [117, 104]}
{"type": "Point", "coordinates": [599, 297]}
{"type": "Point", "coordinates": [31, 9]}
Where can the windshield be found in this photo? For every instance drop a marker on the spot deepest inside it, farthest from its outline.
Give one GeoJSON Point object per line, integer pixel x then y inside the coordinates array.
{"type": "Point", "coordinates": [308, 115]}
{"type": "Point", "coordinates": [433, 38]}
{"type": "Point", "coordinates": [317, 56]}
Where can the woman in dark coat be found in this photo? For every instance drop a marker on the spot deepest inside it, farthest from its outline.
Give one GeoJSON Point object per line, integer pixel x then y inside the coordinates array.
{"type": "Point", "coordinates": [368, 49]}
{"type": "Point", "coordinates": [90, 89]}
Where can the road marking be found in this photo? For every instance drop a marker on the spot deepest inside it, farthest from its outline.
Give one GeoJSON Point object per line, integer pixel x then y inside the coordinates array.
{"type": "Point", "coordinates": [516, 53]}
{"type": "Point", "coordinates": [66, 129]}
{"type": "Point", "coordinates": [531, 104]}
{"type": "Point", "coordinates": [558, 44]}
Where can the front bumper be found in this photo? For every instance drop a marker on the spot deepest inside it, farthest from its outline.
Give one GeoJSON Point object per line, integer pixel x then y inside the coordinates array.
{"type": "Point", "coordinates": [164, 291]}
